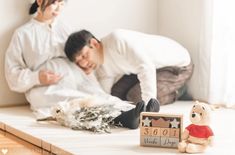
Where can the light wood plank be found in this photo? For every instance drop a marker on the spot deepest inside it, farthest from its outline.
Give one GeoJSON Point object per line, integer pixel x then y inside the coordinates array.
{"type": "Point", "coordinates": [46, 146]}
{"type": "Point", "coordinates": [25, 136]}
{"type": "Point", "coordinates": [13, 145]}
{"type": "Point", "coordinates": [44, 152]}
{"type": "Point", "coordinates": [59, 151]}
{"type": "Point", "coordinates": [2, 126]}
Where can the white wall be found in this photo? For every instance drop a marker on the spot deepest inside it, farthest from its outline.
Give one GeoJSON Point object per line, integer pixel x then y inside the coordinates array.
{"type": "Point", "coordinates": [180, 20]}
{"type": "Point", "coordinates": [98, 16]}
{"type": "Point", "coordinates": [12, 14]}
{"type": "Point", "coordinates": [103, 16]}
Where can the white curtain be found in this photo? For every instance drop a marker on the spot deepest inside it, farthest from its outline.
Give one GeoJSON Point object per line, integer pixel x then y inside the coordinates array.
{"type": "Point", "coordinates": [217, 52]}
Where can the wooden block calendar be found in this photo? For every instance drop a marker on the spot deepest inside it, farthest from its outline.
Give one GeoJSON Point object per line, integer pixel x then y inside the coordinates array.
{"type": "Point", "coordinates": [160, 130]}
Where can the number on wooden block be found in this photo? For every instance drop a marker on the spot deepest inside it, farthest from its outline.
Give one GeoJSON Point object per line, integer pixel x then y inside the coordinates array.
{"type": "Point", "coordinates": [160, 130]}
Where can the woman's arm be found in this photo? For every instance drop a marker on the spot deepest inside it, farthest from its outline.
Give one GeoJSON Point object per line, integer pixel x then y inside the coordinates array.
{"type": "Point", "coordinates": [19, 77]}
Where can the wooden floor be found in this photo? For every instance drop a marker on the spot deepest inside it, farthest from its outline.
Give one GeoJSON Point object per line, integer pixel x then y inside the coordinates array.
{"type": "Point", "coordinates": [11, 145]}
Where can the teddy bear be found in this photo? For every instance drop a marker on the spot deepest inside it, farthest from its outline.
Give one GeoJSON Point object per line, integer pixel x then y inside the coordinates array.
{"type": "Point", "coordinates": [198, 135]}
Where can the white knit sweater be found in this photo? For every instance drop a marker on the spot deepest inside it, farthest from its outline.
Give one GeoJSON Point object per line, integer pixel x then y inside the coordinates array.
{"type": "Point", "coordinates": [127, 52]}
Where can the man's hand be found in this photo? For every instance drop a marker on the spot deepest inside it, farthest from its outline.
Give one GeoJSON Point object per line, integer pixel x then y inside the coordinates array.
{"type": "Point", "coordinates": [47, 77]}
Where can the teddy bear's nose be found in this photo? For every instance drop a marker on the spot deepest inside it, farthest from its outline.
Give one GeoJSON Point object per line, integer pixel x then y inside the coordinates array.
{"type": "Point", "coordinates": [193, 115]}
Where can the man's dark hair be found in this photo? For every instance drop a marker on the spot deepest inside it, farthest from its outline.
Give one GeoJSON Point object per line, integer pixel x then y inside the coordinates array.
{"type": "Point", "coordinates": [76, 41]}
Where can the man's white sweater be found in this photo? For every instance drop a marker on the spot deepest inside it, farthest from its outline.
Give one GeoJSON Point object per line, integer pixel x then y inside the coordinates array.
{"type": "Point", "coordinates": [127, 52]}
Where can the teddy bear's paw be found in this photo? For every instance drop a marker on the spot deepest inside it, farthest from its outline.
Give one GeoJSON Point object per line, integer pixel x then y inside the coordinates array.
{"type": "Point", "coordinates": [195, 148]}
{"type": "Point", "coordinates": [182, 147]}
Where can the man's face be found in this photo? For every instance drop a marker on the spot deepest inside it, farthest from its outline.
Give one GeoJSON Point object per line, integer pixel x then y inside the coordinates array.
{"type": "Point", "coordinates": [87, 59]}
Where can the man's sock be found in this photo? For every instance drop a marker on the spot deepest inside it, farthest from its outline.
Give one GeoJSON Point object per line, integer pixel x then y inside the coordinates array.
{"type": "Point", "coordinates": [130, 119]}
{"type": "Point", "coordinates": [153, 105]}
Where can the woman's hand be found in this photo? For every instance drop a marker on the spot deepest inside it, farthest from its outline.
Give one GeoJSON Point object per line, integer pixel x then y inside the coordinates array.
{"type": "Point", "coordinates": [48, 77]}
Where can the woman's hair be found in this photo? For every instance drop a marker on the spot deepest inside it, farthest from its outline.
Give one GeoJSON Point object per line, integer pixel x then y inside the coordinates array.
{"type": "Point", "coordinates": [45, 3]}
{"type": "Point", "coordinates": [33, 8]}
{"type": "Point", "coordinates": [76, 41]}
